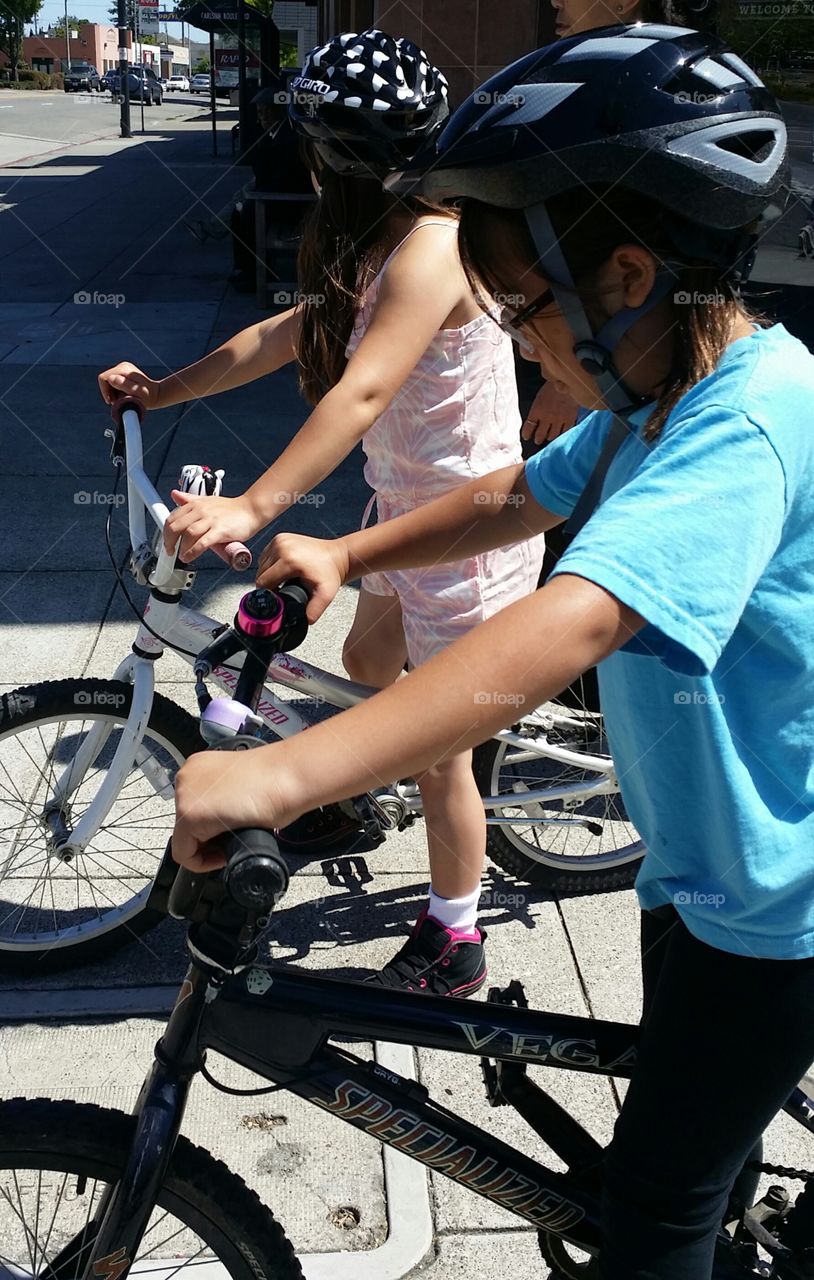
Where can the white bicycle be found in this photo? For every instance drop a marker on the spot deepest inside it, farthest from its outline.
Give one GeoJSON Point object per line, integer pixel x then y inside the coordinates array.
{"type": "Point", "coordinates": [87, 769]}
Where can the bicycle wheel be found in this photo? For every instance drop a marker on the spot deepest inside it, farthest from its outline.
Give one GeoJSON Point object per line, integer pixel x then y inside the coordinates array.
{"type": "Point", "coordinates": [58, 1158]}
{"type": "Point", "coordinates": [578, 844]}
{"type": "Point", "coordinates": [55, 913]}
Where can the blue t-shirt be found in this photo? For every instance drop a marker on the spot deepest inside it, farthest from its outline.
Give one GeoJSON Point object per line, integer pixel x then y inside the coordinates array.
{"type": "Point", "coordinates": [708, 534]}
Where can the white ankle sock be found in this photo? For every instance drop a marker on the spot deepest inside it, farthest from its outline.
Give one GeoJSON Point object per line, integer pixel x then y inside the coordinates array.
{"type": "Point", "coordinates": [456, 913]}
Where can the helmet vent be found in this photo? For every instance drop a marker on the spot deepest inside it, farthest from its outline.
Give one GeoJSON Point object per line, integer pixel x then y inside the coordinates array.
{"type": "Point", "coordinates": [756, 146]}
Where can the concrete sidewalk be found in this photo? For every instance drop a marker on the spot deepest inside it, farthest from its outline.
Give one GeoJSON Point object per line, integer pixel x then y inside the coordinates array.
{"type": "Point", "coordinates": [107, 224]}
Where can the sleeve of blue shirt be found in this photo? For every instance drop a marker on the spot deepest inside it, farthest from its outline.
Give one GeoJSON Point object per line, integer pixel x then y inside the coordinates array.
{"type": "Point", "coordinates": [684, 537]}
{"type": "Point", "coordinates": [567, 462]}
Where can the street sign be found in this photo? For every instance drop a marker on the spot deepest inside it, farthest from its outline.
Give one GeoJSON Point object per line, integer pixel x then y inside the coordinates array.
{"type": "Point", "coordinates": [170, 15]}
{"type": "Point", "coordinates": [212, 15]}
{"type": "Point", "coordinates": [148, 20]}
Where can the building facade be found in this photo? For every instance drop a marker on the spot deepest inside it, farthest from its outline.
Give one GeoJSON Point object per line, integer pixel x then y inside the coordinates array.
{"type": "Point", "coordinates": [468, 39]}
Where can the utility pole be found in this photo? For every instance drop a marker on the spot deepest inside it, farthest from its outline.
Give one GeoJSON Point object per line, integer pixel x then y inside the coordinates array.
{"type": "Point", "coordinates": [67, 37]}
{"type": "Point", "coordinates": [124, 79]}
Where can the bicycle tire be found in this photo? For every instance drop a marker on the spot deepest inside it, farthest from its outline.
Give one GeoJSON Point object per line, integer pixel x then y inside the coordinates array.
{"type": "Point", "coordinates": [54, 701]}
{"type": "Point", "coordinates": [91, 1142]}
{"type": "Point", "coordinates": [545, 861]}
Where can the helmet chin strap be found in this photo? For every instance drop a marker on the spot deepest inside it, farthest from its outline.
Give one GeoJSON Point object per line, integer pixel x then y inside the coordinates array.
{"type": "Point", "coordinates": [593, 350]}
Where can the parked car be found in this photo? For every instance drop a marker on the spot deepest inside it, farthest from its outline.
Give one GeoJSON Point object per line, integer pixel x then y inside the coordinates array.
{"type": "Point", "coordinates": [201, 83]}
{"type": "Point", "coordinates": [110, 80]}
{"type": "Point", "coordinates": [82, 78]}
{"type": "Point", "coordinates": [178, 83]}
{"type": "Point", "coordinates": [145, 85]}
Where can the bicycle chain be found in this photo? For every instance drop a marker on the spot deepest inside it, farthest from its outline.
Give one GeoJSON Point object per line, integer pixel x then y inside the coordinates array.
{"type": "Point", "coordinates": [781, 1171]}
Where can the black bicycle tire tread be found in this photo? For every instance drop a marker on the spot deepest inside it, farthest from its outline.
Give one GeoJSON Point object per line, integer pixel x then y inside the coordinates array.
{"type": "Point", "coordinates": [509, 858]}
{"type": "Point", "coordinates": [54, 697]}
{"type": "Point", "coordinates": [191, 1166]}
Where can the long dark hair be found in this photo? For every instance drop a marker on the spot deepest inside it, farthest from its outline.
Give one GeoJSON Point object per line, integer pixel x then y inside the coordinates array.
{"type": "Point", "coordinates": [591, 223]}
{"type": "Point", "coordinates": [343, 246]}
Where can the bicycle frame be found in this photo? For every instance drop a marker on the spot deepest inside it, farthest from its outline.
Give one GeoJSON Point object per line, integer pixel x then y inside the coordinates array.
{"type": "Point", "coordinates": [188, 629]}
{"type": "Point", "coordinates": [277, 1021]}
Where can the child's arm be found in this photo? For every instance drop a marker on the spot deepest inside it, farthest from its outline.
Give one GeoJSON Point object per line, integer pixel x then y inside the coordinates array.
{"type": "Point", "coordinates": [494, 510]}
{"type": "Point", "coordinates": [421, 288]}
{"type": "Point", "coordinates": [520, 658]}
{"type": "Point", "coordinates": [258, 350]}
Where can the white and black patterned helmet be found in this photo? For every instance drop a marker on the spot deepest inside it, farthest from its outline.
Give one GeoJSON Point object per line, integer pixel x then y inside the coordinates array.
{"type": "Point", "coordinates": [368, 102]}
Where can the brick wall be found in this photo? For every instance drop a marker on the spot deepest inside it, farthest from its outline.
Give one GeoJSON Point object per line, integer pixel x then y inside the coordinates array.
{"type": "Point", "coordinates": [468, 39]}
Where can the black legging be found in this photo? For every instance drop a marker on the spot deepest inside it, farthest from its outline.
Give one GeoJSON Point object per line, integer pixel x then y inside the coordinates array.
{"type": "Point", "coordinates": [725, 1040]}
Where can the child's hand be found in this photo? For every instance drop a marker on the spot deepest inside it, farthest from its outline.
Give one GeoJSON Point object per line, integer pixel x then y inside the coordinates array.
{"type": "Point", "coordinates": [321, 564]}
{"type": "Point", "coordinates": [218, 792]}
{"type": "Point", "coordinates": [126, 379]}
{"type": "Point", "coordinates": [550, 415]}
{"type": "Point", "coordinates": [202, 523]}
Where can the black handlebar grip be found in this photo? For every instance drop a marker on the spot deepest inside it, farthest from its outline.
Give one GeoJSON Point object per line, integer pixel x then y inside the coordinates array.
{"type": "Point", "coordinates": [126, 402]}
{"type": "Point", "coordinates": [256, 875]}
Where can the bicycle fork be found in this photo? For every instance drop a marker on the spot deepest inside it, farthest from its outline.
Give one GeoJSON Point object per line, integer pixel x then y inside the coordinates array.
{"type": "Point", "coordinates": [108, 1245]}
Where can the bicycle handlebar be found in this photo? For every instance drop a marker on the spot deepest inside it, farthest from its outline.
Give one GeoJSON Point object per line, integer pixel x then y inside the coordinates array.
{"type": "Point", "coordinates": [255, 876]}
{"type": "Point", "coordinates": [234, 554]}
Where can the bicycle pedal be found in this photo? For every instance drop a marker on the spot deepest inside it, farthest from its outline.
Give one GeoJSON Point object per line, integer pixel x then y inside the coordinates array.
{"type": "Point", "coordinates": [513, 994]}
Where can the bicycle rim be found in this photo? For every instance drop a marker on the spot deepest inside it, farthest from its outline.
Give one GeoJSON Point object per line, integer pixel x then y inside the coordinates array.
{"type": "Point", "coordinates": [46, 902]}
{"type": "Point", "coordinates": [587, 834]}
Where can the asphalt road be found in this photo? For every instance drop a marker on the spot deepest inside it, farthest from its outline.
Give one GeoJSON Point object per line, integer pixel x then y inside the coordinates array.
{"type": "Point", "coordinates": [33, 124]}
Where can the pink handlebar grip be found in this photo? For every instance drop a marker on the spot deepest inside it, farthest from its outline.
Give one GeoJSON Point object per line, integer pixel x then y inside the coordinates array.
{"type": "Point", "coordinates": [236, 555]}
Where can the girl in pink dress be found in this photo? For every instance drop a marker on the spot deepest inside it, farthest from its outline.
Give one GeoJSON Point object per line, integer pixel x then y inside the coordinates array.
{"type": "Point", "coordinates": [394, 351]}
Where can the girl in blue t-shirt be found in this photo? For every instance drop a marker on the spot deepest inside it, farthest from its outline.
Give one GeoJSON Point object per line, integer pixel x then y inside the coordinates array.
{"type": "Point", "coordinates": [620, 181]}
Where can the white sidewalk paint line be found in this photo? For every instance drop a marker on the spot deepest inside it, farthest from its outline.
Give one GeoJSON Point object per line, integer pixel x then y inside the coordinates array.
{"type": "Point", "coordinates": [406, 1189]}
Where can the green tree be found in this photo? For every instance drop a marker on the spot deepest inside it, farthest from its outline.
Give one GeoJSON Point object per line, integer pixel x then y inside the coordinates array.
{"type": "Point", "coordinates": [201, 67]}
{"type": "Point", "coordinates": [130, 13]}
{"type": "Point", "coordinates": [74, 24]}
{"type": "Point", "coordinates": [14, 14]}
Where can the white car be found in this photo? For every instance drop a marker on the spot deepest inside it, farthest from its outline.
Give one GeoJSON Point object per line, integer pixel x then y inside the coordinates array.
{"type": "Point", "coordinates": [178, 82]}
{"type": "Point", "coordinates": [201, 83]}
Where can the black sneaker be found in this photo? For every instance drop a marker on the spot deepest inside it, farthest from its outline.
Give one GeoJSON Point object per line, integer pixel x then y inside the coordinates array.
{"type": "Point", "coordinates": [320, 829]}
{"type": "Point", "coordinates": [437, 960]}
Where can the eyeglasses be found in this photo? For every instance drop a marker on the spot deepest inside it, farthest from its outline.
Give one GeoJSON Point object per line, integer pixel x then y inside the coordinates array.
{"type": "Point", "coordinates": [516, 320]}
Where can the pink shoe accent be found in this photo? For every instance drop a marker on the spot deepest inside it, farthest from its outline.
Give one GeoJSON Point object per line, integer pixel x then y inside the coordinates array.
{"type": "Point", "coordinates": [455, 935]}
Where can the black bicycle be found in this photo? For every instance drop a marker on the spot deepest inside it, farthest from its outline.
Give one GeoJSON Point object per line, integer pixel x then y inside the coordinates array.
{"type": "Point", "coordinates": [91, 1194]}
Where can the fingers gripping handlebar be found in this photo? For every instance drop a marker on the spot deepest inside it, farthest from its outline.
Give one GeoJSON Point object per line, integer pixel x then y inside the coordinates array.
{"type": "Point", "coordinates": [255, 876]}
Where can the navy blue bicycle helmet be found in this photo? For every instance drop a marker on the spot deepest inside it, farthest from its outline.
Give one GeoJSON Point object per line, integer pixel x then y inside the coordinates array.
{"type": "Point", "coordinates": [663, 111]}
{"type": "Point", "coordinates": [368, 102]}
